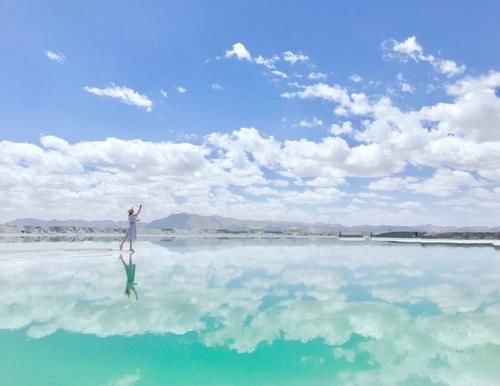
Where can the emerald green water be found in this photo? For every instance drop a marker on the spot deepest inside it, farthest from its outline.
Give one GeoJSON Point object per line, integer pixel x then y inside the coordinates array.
{"type": "Point", "coordinates": [167, 360]}
{"type": "Point", "coordinates": [249, 312]}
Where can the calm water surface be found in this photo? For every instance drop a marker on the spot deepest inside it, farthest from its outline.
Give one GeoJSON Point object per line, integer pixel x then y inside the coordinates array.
{"type": "Point", "coordinates": [249, 312]}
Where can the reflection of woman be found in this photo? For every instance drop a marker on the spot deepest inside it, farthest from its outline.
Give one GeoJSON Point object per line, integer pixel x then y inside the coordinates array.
{"type": "Point", "coordinates": [131, 232]}
{"type": "Point", "coordinates": [130, 272]}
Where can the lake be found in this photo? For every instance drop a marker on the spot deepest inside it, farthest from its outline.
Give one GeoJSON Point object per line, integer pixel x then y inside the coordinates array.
{"type": "Point", "coordinates": [249, 312]}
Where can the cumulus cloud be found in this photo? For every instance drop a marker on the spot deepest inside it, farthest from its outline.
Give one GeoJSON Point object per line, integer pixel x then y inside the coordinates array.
{"type": "Point", "coordinates": [292, 58]}
{"type": "Point", "coordinates": [404, 85]}
{"type": "Point", "coordinates": [333, 93]}
{"type": "Point", "coordinates": [356, 103]}
{"type": "Point", "coordinates": [316, 76]}
{"type": "Point", "coordinates": [269, 63]}
{"type": "Point", "coordinates": [355, 78]}
{"type": "Point", "coordinates": [459, 134]}
{"type": "Point", "coordinates": [331, 157]}
{"type": "Point", "coordinates": [181, 90]}
{"type": "Point", "coordinates": [55, 56]}
{"type": "Point", "coordinates": [124, 94]}
{"type": "Point", "coordinates": [61, 178]}
{"type": "Point", "coordinates": [411, 49]}
{"type": "Point", "coordinates": [238, 51]}
{"type": "Point", "coordinates": [344, 128]}
{"type": "Point", "coordinates": [443, 183]}
{"type": "Point", "coordinates": [217, 87]}
{"type": "Point", "coordinates": [314, 122]}
{"type": "Point", "coordinates": [474, 113]}
{"type": "Point", "coordinates": [279, 74]}
{"type": "Point", "coordinates": [409, 205]}
{"type": "Point", "coordinates": [262, 191]}
{"type": "Point", "coordinates": [457, 137]}
{"type": "Point", "coordinates": [456, 140]}
{"type": "Point", "coordinates": [163, 93]}
{"type": "Point", "coordinates": [448, 67]}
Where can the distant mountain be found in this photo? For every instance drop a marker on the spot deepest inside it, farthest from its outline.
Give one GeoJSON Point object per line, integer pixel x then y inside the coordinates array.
{"type": "Point", "coordinates": [68, 223]}
{"type": "Point", "coordinates": [189, 221]}
{"type": "Point", "coordinates": [197, 222]}
{"type": "Point", "coordinates": [192, 222]}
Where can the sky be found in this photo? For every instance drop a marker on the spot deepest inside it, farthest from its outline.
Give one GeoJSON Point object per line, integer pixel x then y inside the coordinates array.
{"type": "Point", "coordinates": [352, 112]}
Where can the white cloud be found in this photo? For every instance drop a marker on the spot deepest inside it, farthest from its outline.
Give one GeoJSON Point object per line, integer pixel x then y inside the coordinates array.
{"type": "Point", "coordinates": [238, 51]}
{"type": "Point", "coordinates": [443, 183]}
{"type": "Point", "coordinates": [292, 58]}
{"type": "Point", "coordinates": [55, 56]}
{"type": "Point", "coordinates": [181, 90]}
{"type": "Point", "coordinates": [324, 182]}
{"type": "Point", "coordinates": [408, 205]}
{"type": "Point", "coordinates": [269, 63]}
{"type": "Point", "coordinates": [411, 49]}
{"type": "Point", "coordinates": [262, 191]}
{"type": "Point", "coordinates": [317, 196]}
{"type": "Point", "coordinates": [393, 183]}
{"type": "Point", "coordinates": [124, 94]}
{"type": "Point", "coordinates": [405, 86]}
{"type": "Point", "coordinates": [460, 134]}
{"type": "Point", "coordinates": [217, 87]}
{"type": "Point", "coordinates": [63, 179]}
{"type": "Point", "coordinates": [474, 113]}
{"type": "Point", "coordinates": [280, 74]}
{"type": "Point", "coordinates": [356, 78]}
{"type": "Point", "coordinates": [334, 93]}
{"type": "Point", "coordinates": [356, 103]}
{"type": "Point", "coordinates": [314, 122]}
{"type": "Point", "coordinates": [449, 67]}
{"type": "Point", "coordinates": [316, 76]}
{"type": "Point", "coordinates": [345, 128]}
{"type": "Point", "coordinates": [457, 140]}
{"type": "Point", "coordinates": [163, 93]}
{"type": "Point", "coordinates": [279, 183]}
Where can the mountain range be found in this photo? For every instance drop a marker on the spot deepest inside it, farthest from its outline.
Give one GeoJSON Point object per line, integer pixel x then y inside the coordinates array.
{"type": "Point", "coordinates": [187, 221]}
{"type": "Point", "coordinates": [68, 223]}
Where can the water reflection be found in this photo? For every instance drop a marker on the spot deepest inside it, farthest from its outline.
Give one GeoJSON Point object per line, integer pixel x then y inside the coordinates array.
{"type": "Point", "coordinates": [130, 274]}
{"type": "Point", "coordinates": [428, 311]}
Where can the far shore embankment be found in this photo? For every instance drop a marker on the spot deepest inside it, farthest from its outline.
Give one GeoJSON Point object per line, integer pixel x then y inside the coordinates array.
{"type": "Point", "coordinates": [38, 233]}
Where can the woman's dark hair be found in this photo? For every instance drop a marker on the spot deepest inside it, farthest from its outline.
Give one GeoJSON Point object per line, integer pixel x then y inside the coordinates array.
{"type": "Point", "coordinates": [130, 211]}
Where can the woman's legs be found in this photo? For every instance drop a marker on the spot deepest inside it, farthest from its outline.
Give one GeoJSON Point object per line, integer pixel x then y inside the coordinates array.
{"type": "Point", "coordinates": [131, 249]}
{"type": "Point", "coordinates": [123, 242]}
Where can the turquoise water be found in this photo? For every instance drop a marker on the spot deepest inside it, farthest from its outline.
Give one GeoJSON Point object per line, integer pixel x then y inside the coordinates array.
{"type": "Point", "coordinates": [249, 312]}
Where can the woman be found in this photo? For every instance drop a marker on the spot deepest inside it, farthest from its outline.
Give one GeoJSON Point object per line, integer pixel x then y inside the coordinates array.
{"type": "Point", "coordinates": [131, 232]}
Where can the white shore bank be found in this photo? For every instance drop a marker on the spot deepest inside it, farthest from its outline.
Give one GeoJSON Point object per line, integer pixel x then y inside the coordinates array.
{"type": "Point", "coordinates": [153, 236]}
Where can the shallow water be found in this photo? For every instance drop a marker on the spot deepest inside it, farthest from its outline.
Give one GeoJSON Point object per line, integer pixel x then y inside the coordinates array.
{"type": "Point", "coordinates": [249, 312]}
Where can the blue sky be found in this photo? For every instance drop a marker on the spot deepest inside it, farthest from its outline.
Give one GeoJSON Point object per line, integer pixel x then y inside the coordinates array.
{"type": "Point", "coordinates": [403, 60]}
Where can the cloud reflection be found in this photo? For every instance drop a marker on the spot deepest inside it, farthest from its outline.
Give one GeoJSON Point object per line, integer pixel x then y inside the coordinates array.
{"type": "Point", "coordinates": [430, 313]}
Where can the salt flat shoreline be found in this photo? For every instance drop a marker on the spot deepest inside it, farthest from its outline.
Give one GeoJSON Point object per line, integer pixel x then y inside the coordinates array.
{"type": "Point", "coordinates": [16, 237]}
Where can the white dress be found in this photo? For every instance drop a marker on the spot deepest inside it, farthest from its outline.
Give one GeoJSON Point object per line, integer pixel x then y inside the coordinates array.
{"type": "Point", "coordinates": [132, 232]}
